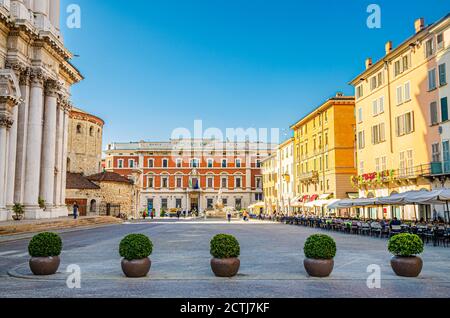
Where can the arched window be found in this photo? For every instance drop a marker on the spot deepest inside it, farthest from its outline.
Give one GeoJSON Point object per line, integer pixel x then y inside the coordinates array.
{"type": "Point", "coordinates": [93, 206]}
{"type": "Point", "coordinates": [79, 129]}
{"type": "Point", "coordinates": [91, 131]}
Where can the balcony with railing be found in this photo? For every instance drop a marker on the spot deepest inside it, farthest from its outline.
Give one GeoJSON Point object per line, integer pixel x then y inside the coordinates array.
{"type": "Point", "coordinates": [309, 177]}
{"type": "Point", "coordinates": [441, 168]}
{"type": "Point", "coordinates": [400, 176]}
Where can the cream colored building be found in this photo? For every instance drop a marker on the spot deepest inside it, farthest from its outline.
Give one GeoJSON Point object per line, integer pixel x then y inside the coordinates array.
{"type": "Point", "coordinates": [398, 116]}
{"type": "Point", "coordinates": [35, 80]}
{"type": "Point", "coordinates": [269, 171]}
{"type": "Point", "coordinates": [440, 166]}
{"type": "Point", "coordinates": [285, 177]}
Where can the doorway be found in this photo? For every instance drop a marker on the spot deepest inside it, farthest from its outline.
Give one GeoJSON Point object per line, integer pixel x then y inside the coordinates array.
{"type": "Point", "coordinates": [194, 204]}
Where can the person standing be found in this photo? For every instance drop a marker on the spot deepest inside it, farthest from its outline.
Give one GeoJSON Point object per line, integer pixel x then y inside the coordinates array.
{"type": "Point", "coordinates": [75, 210]}
{"type": "Point", "coordinates": [229, 217]}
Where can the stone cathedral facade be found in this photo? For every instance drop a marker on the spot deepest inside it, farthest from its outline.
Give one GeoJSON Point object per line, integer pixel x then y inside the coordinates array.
{"type": "Point", "coordinates": [35, 80]}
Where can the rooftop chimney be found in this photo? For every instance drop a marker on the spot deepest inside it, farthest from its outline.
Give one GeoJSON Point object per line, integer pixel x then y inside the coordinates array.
{"type": "Point", "coordinates": [339, 94]}
{"type": "Point", "coordinates": [419, 24]}
{"type": "Point", "coordinates": [388, 47]}
{"type": "Point", "coordinates": [368, 62]}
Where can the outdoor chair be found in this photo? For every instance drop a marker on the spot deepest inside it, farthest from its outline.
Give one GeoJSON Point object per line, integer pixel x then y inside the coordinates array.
{"type": "Point", "coordinates": [365, 229]}
{"type": "Point", "coordinates": [375, 229]}
{"type": "Point", "coordinates": [395, 229]}
{"type": "Point", "coordinates": [439, 237]}
{"type": "Point", "coordinates": [421, 232]}
{"type": "Point", "coordinates": [354, 228]}
{"type": "Point", "coordinates": [384, 231]}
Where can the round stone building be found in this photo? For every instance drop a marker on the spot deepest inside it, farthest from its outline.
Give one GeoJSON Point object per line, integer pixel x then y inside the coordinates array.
{"type": "Point", "coordinates": [85, 143]}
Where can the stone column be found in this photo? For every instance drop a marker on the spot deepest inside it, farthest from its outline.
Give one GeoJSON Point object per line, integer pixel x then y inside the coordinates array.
{"type": "Point", "coordinates": [59, 154]}
{"type": "Point", "coordinates": [47, 181]}
{"type": "Point", "coordinates": [19, 183]}
{"type": "Point", "coordinates": [34, 145]}
{"type": "Point", "coordinates": [5, 125]}
{"type": "Point", "coordinates": [12, 147]}
{"type": "Point", "coordinates": [64, 156]}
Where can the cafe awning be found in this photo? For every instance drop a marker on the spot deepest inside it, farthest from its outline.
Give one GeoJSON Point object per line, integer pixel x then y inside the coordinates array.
{"type": "Point", "coordinates": [348, 203]}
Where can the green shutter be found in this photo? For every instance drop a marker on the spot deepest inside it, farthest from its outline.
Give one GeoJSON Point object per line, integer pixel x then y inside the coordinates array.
{"type": "Point", "coordinates": [444, 109]}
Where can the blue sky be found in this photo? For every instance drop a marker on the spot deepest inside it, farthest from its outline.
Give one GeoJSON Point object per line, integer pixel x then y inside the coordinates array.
{"type": "Point", "coordinates": [152, 66]}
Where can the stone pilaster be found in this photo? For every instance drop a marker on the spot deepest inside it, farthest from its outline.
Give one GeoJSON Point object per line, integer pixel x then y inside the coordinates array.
{"type": "Point", "coordinates": [59, 153]}
{"type": "Point", "coordinates": [67, 109]}
{"type": "Point", "coordinates": [34, 145]}
{"type": "Point", "coordinates": [5, 124]}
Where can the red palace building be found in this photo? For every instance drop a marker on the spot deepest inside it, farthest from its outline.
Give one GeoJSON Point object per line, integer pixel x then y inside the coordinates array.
{"type": "Point", "coordinates": [188, 175]}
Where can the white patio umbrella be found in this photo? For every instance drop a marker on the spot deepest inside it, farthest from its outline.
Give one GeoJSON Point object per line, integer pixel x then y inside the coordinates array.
{"type": "Point", "coordinates": [439, 196]}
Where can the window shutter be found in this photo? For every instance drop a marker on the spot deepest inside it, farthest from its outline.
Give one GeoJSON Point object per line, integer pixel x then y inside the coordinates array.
{"type": "Point", "coordinates": [444, 109]}
{"type": "Point", "coordinates": [399, 95]}
{"type": "Point", "coordinates": [442, 75]}
{"type": "Point", "coordinates": [407, 91]}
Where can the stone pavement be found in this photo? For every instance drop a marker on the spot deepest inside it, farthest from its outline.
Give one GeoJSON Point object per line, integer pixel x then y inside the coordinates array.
{"type": "Point", "coordinates": [271, 265]}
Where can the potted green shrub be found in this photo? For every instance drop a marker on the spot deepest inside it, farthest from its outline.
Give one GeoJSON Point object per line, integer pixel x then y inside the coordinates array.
{"type": "Point", "coordinates": [225, 251]}
{"type": "Point", "coordinates": [19, 211]}
{"type": "Point", "coordinates": [44, 249]}
{"type": "Point", "coordinates": [135, 250]}
{"type": "Point", "coordinates": [405, 247]}
{"type": "Point", "coordinates": [320, 251]}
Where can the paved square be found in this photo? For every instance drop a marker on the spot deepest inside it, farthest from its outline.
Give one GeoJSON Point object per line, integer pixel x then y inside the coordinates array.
{"type": "Point", "coordinates": [271, 265]}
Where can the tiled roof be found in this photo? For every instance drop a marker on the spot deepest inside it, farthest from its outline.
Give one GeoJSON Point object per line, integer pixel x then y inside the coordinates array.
{"type": "Point", "coordinates": [80, 182]}
{"type": "Point", "coordinates": [109, 176]}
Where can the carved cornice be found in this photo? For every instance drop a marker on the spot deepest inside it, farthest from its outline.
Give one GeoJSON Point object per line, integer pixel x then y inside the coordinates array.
{"type": "Point", "coordinates": [6, 121]}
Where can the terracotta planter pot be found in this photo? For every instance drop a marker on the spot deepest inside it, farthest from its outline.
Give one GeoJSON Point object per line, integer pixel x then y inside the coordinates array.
{"type": "Point", "coordinates": [407, 266]}
{"type": "Point", "coordinates": [136, 268]}
{"type": "Point", "coordinates": [44, 266]}
{"type": "Point", "coordinates": [319, 267]}
{"type": "Point", "coordinates": [227, 267]}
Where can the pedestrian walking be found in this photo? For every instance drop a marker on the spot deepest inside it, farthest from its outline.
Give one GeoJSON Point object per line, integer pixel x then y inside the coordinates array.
{"type": "Point", "coordinates": [229, 217]}
{"type": "Point", "coordinates": [75, 210]}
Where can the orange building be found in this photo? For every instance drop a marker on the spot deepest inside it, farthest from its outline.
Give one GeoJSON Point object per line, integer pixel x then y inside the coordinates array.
{"type": "Point", "coordinates": [175, 177]}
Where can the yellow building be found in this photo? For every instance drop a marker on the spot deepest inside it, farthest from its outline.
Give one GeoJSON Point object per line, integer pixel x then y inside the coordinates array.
{"type": "Point", "coordinates": [269, 169]}
{"type": "Point", "coordinates": [398, 111]}
{"type": "Point", "coordinates": [324, 156]}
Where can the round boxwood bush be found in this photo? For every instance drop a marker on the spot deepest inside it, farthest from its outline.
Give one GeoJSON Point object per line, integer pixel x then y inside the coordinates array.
{"type": "Point", "coordinates": [135, 246]}
{"type": "Point", "coordinates": [45, 245]}
{"type": "Point", "coordinates": [225, 246]}
{"type": "Point", "coordinates": [320, 246]}
{"type": "Point", "coordinates": [405, 244]}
